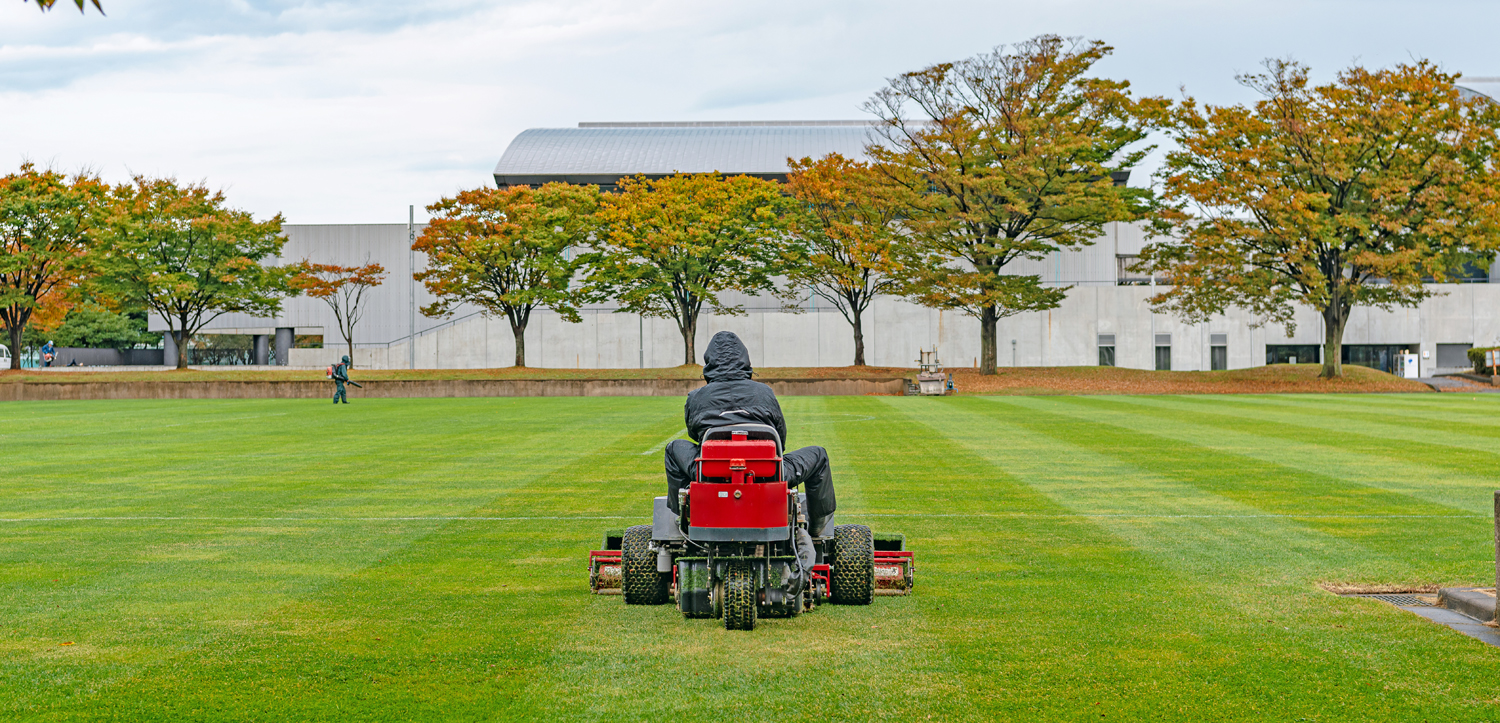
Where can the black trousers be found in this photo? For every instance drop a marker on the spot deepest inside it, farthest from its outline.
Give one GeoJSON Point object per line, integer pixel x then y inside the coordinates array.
{"type": "Point", "coordinates": [807, 466]}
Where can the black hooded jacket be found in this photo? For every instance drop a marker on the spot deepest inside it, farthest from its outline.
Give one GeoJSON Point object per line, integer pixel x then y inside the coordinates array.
{"type": "Point", "coordinates": [730, 397]}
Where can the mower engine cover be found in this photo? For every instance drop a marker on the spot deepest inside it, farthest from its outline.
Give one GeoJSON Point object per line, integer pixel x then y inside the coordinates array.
{"type": "Point", "coordinates": [739, 495]}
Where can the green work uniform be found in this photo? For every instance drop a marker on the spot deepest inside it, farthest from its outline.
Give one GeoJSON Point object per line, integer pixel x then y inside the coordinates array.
{"type": "Point", "coordinates": [340, 375]}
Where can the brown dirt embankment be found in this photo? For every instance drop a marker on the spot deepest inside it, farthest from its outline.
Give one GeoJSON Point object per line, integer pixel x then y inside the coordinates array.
{"type": "Point", "coordinates": [1301, 378]}
{"type": "Point", "coordinates": [1279, 378]}
{"type": "Point", "coordinates": [232, 374]}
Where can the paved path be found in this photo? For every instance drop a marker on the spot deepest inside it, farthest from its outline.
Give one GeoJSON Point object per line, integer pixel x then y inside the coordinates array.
{"type": "Point", "coordinates": [1458, 621]}
{"type": "Point", "coordinates": [1456, 384]}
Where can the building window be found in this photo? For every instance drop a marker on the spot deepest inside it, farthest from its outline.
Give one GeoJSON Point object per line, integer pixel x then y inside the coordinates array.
{"type": "Point", "coordinates": [1218, 352]}
{"type": "Point", "coordinates": [1127, 273]}
{"type": "Point", "coordinates": [1163, 352]}
{"type": "Point", "coordinates": [1385, 357]}
{"type": "Point", "coordinates": [1106, 350]}
{"type": "Point", "coordinates": [1292, 353]}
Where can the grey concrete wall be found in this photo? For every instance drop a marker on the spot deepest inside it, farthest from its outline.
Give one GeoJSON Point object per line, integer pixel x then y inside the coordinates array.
{"type": "Point", "coordinates": [895, 329]}
{"type": "Point", "coordinates": [1067, 336]}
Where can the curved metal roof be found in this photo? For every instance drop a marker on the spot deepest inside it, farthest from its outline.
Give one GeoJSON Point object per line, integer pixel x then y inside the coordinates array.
{"type": "Point", "coordinates": [602, 153]}
{"type": "Point", "coordinates": [1488, 87]}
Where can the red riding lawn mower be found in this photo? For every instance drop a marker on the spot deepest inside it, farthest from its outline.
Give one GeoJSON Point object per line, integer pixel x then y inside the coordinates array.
{"type": "Point", "coordinates": [732, 552]}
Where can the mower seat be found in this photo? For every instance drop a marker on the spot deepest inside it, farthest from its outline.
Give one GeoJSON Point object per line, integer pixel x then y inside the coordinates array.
{"type": "Point", "coordinates": [740, 451]}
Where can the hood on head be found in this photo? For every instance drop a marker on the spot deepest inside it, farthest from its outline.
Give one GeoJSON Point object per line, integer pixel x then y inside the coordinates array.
{"type": "Point", "coordinates": [346, 360]}
{"type": "Point", "coordinates": [726, 358]}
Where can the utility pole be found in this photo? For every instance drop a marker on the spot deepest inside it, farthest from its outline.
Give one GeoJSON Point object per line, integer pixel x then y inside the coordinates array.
{"type": "Point", "coordinates": [641, 322]}
{"type": "Point", "coordinates": [411, 285]}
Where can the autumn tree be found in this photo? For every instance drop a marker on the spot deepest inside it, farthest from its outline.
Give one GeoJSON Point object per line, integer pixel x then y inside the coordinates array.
{"type": "Point", "coordinates": [342, 288]}
{"type": "Point", "coordinates": [849, 224]}
{"type": "Point", "coordinates": [179, 251]}
{"type": "Point", "coordinates": [46, 5]}
{"type": "Point", "coordinates": [1354, 193]}
{"type": "Point", "coordinates": [669, 246]}
{"type": "Point", "coordinates": [506, 251]}
{"type": "Point", "coordinates": [46, 248]}
{"type": "Point", "coordinates": [1004, 156]}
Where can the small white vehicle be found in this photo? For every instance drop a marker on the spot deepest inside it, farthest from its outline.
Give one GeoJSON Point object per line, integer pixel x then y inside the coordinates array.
{"type": "Point", "coordinates": [4, 357]}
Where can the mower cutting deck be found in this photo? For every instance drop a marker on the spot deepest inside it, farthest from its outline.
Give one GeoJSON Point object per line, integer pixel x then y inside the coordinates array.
{"type": "Point", "coordinates": [732, 552]}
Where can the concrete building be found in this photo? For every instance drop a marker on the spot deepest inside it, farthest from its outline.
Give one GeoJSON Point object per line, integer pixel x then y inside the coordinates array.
{"type": "Point", "coordinates": [1106, 317]}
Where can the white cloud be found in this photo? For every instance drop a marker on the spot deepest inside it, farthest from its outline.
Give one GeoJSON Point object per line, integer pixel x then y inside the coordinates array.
{"type": "Point", "coordinates": [349, 111]}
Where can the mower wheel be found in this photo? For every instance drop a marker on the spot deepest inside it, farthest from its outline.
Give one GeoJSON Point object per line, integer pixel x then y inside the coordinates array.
{"type": "Point", "coordinates": [853, 565]}
{"type": "Point", "coordinates": [640, 582]}
{"type": "Point", "coordinates": [739, 598]}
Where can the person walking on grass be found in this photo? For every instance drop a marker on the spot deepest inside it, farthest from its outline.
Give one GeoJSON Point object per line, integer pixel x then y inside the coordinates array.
{"type": "Point", "coordinates": [340, 374]}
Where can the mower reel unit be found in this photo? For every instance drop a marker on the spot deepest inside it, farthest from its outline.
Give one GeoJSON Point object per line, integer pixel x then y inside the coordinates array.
{"type": "Point", "coordinates": [731, 553]}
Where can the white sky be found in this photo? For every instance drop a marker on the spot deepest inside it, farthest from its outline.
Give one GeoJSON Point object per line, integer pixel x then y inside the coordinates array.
{"type": "Point", "coordinates": [348, 111]}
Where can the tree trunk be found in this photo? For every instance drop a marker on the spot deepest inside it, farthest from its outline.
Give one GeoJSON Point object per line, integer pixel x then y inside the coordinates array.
{"type": "Point", "coordinates": [350, 340]}
{"type": "Point", "coordinates": [859, 338]}
{"type": "Point", "coordinates": [987, 351]}
{"type": "Point", "coordinates": [181, 334]}
{"type": "Point", "coordinates": [1334, 319]}
{"type": "Point", "coordinates": [689, 335]}
{"type": "Point", "coordinates": [519, 332]}
{"type": "Point", "coordinates": [15, 346]}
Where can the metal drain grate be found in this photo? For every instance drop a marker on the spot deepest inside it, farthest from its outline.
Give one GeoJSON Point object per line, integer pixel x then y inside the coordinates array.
{"type": "Point", "coordinates": [1402, 599]}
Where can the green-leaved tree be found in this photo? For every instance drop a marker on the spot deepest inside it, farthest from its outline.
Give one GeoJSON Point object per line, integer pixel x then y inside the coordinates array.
{"type": "Point", "coordinates": [1004, 156]}
{"type": "Point", "coordinates": [179, 251]}
{"type": "Point", "coordinates": [670, 246]}
{"type": "Point", "coordinates": [508, 252]}
{"type": "Point", "coordinates": [849, 223]}
{"type": "Point", "coordinates": [1354, 193]}
{"type": "Point", "coordinates": [46, 246]}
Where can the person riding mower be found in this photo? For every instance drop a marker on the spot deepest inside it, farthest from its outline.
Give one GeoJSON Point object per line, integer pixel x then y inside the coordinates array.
{"type": "Point", "coordinates": [731, 398]}
{"type": "Point", "coordinates": [733, 538]}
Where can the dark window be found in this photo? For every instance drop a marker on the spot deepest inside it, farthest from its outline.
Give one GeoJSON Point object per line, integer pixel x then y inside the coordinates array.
{"type": "Point", "coordinates": [1106, 350]}
{"type": "Point", "coordinates": [1292, 353]}
{"type": "Point", "coordinates": [1163, 352]}
{"type": "Point", "coordinates": [1385, 357]}
{"type": "Point", "coordinates": [1218, 352]}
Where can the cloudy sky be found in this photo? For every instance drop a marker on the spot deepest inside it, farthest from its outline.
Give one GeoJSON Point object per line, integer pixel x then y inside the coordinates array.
{"type": "Point", "coordinates": [347, 111]}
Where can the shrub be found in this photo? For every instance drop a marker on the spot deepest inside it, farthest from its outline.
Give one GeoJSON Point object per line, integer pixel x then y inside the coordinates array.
{"type": "Point", "coordinates": [1476, 355]}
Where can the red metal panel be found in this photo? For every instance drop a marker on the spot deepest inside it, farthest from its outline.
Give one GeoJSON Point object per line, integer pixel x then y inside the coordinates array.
{"type": "Point", "coordinates": [739, 459]}
{"type": "Point", "coordinates": [759, 505]}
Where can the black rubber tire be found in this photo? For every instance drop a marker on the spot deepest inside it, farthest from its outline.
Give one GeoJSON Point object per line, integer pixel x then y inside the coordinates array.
{"type": "Point", "coordinates": [853, 565]}
{"type": "Point", "coordinates": [740, 597]}
{"type": "Point", "coordinates": [640, 582]}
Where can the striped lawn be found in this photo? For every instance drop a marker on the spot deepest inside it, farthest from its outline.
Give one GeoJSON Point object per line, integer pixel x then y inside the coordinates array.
{"type": "Point", "coordinates": [1080, 558]}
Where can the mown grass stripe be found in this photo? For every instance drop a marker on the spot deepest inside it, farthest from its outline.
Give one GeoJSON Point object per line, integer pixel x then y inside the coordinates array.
{"type": "Point", "coordinates": [1270, 487]}
{"type": "Point", "coordinates": [1229, 574]}
{"type": "Point", "coordinates": [1430, 433]}
{"type": "Point", "coordinates": [1259, 570]}
{"type": "Point", "coordinates": [1310, 451]}
{"type": "Point", "coordinates": [302, 560]}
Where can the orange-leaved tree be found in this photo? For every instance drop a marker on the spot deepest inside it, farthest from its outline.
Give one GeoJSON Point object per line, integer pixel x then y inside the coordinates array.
{"type": "Point", "coordinates": [342, 288]}
{"type": "Point", "coordinates": [1005, 156]}
{"type": "Point", "coordinates": [671, 245]}
{"type": "Point", "coordinates": [46, 246]}
{"type": "Point", "coordinates": [850, 227]}
{"type": "Point", "coordinates": [46, 5]}
{"type": "Point", "coordinates": [1354, 193]}
{"type": "Point", "coordinates": [507, 251]}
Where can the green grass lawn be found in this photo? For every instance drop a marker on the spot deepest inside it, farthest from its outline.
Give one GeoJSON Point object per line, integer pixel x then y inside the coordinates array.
{"type": "Point", "coordinates": [1079, 558]}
